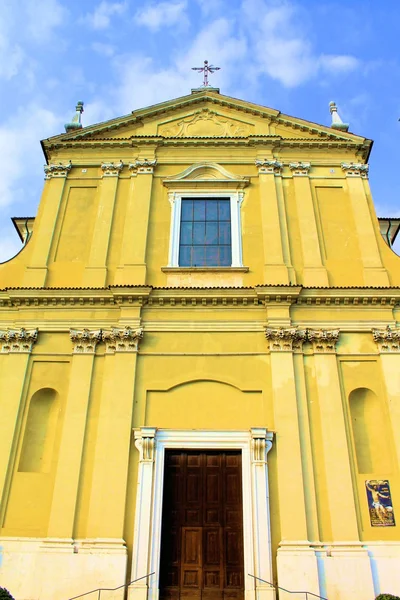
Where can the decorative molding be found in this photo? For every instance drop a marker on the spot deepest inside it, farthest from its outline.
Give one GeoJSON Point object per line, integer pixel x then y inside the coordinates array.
{"type": "Point", "coordinates": [145, 442]}
{"type": "Point", "coordinates": [323, 340]}
{"type": "Point", "coordinates": [207, 174]}
{"type": "Point", "coordinates": [387, 340]}
{"type": "Point", "coordinates": [85, 340]}
{"type": "Point", "coordinates": [14, 341]}
{"type": "Point", "coordinates": [285, 340]}
{"type": "Point", "coordinates": [111, 169]}
{"type": "Point", "coordinates": [300, 168]}
{"type": "Point", "coordinates": [206, 123]}
{"type": "Point", "coordinates": [56, 170]}
{"type": "Point", "coordinates": [142, 166]}
{"type": "Point", "coordinates": [356, 170]}
{"type": "Point", "coordinates": [269, 166]}
{"type": "Point", "coordinates": [122, 340]}
{"type": "Point", "coordinates": [261, 444]}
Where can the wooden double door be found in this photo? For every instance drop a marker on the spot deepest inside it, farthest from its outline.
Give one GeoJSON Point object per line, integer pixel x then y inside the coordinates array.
{"type": "Point", "coordinates": [202, 526]}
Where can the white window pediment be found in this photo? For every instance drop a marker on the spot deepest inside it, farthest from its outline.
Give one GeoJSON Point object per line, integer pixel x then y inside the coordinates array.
{"type": "Point", "coordinates": [205, 181]}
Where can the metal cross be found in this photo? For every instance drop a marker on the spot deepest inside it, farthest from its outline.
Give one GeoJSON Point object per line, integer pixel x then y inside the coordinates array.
{"type": "Point", "coordinates": [206, 70]}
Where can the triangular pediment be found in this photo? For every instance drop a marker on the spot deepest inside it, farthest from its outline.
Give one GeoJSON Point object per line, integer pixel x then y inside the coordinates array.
{"type": "Point", "coordinates": [205, 114]}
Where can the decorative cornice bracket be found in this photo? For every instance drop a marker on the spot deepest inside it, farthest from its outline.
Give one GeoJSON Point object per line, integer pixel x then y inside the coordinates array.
{"type": "Point", "coordinates": [85, 340]}
{"type": "Point", "coordinates": [261, 444]}
{"type": "Point", "coordinates": [356, 170]}
{"type": "Point", "coordinates": [57, 170]}
{"type": "Point", "coordinates": [122, 340]}
{"type": "Point", "coordinates": [387, 340]}
{"type": "Point", "coordinates": [14, 341]}
{"type": "Point", "coordinates": [111, 169]}
{"type": "Point", "coordinates": [300, 168]}
{"type": "Point", "coordinates": [266, 167]}
{"type": "Point", "coordinates": [145, 442]}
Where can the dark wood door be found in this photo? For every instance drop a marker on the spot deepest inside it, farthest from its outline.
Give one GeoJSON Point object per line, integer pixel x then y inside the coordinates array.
{"type": "Point", "coordinates": [202, 526]}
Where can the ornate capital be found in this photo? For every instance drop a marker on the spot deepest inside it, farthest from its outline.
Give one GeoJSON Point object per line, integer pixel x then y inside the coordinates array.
{"type": "Point", "coordinates": [111, 169]}
{"type": "Point", "coordinates": [141, 166]}
{"type": "Point", "coordinates": [15, 341]}
{"type": "Point", "coordinates": [145, 442]}
{"type": "Point", "coordinates": [53, 170]}
{"type": "Point", "coordinates": [355, 170]}
{"type": "Point", "coordinates": [387, 340]}
{"type": "Point", "coordinates": [122, 340]}
{"type": "Point", "coordinates": [269, 166]}
{"type": "Point", "coordinates": [285, 340]}
{"type": "Point", "coordinates": [261, 444]}
{"type": "Point", "coordinates": [323, 340]}
{"type": "Point", "coordinates": [85, 340]}
{"type": "Point", "coordinates": [300, 168]}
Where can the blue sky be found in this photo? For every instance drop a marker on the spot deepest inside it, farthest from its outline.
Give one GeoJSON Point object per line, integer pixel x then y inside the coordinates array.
{"type": "Point", "coordinates": [116, 56]}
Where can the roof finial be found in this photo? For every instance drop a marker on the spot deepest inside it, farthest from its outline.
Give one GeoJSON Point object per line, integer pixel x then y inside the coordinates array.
{"type": "Point", "coordinates": [206, 69]}
{"type": "Point", "coordinates": [76, 119]}
{"type": "Point", "coordinates": [337, 122]}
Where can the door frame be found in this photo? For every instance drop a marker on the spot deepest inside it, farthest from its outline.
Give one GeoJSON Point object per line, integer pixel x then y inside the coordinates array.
{"type": "Point", "coordinates": [254, 445]}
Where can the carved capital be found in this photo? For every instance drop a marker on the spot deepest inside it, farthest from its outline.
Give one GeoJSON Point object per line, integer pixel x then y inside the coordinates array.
{"type": "Point", "coordinates": [85, 340]}
{"type": "Point", "coordinates": [261, 444]}
{"type": "Point", "coordinates": [355, 170]}
{"type": "Point", "coordinates": [142, 166]}
{"type": "Point", "coordinates": [323, 340]}
{"type": "Point", "coordinates": [387, 340]}
{"type": "Point", "coordinates": [269, 166]}
{"type": "Point", "coordinates": [145, 442]}
{"type": "Point", "coordinates": [285, 340]}
{"type": "Point", "coordinates": [122, 340]}
{"type": "Point", "coordinates": [300, 168]}
{"type": "Point", "coordinates": [54, 170]}
{"type": "Point", "coordinates": [111, 169]}
{"type": "Point", "coordinates": [14, 341]}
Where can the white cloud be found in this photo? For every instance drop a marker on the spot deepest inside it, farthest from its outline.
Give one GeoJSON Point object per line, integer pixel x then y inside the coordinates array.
{"type": "Point", "coordinates": [10, 244]}
{"type": "Point", "coordinates": [163, 14]}
{"type": "Point", "coordinates": [19, 139]}
{"type": "Point", "coordinates": [101, 17]}
{"type": "Point", "coordinates": [341, 63]}
{"type": "Point", "coordinates": [11, 58]}
{"type": "Point", "coordinates": [281, 46]}
{"type": "Point", "coordinates": [42, 18]}
{"type": "Point", "coordinates": [103, 49]}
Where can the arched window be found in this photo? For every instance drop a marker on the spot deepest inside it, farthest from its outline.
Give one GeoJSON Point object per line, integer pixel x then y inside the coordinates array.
{"type": "Point", "coordinates": [370, 432]}
{"type": "Point", "coordinates": [38, 442]}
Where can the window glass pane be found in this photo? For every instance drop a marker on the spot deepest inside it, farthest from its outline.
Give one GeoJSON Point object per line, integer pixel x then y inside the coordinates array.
{"type": "Point", "coordinates": [187, 210]}
{"type": "Point", "coordinates": [185, 254]}
{"type": "Point", "coordinates": [224, 232]}
{"type": "Point", "coordinates": [224, 210]}
{"type": "Point", "coordinates": [212, 233]}
{"type": "Point", "coordinates": [198, 256]}
{"type": "Point", "coordinates": [212, 256]}
{"type": "Point", "coordinates": [199, 210]}
{"type": "Point", "coordinates": [186, 233]}
{"type": "Point", "coordinates": [199, 233]}
{"type": "Point", "coordinates": [212, 210]}
{"type": "Point", "coordinates": [225, 256]}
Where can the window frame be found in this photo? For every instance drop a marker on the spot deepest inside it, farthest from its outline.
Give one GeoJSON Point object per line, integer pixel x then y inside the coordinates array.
{"type": "Point", "coordinates": [175, 198]}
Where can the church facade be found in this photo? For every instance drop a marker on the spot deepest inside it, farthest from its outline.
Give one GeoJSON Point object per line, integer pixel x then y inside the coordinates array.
{"type": "Point", "coordinates": [200, 363]}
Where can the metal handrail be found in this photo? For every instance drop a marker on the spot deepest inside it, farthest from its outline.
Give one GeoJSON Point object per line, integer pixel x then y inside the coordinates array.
{"type": "Point", "coordinates": [285, 590]}
{"type": "Point", "coordinates": [124, 585]}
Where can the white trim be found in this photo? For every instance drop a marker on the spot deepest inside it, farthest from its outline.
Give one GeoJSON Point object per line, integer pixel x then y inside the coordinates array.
{"type": "Point", "coordinates": [254, 445]}
{"type": "Point", "coordinates": [236, 199]}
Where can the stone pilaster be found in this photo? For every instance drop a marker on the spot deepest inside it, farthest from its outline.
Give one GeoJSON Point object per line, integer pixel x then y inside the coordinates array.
{"type": "Point", "coordinates": [274, 224]}
{"type": "Point", "coordinates": [367, 233]}
{"type": "Point", "coordinates": [63, 507]}
{"type": "Point", "coordinates": [314, 272]}
{"type": "Point", "coordinates": [132, 267]}
{"type": "Point", "coordinates": [388, 345]}
{"type": "Point", "coordinates": [95, 274]}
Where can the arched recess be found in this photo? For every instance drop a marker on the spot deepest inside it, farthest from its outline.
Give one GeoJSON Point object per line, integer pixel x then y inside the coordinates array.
{"type": "Point", "coordinates": [370, 432]}
{"type": "Point", "coordinates": [39, 435]}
